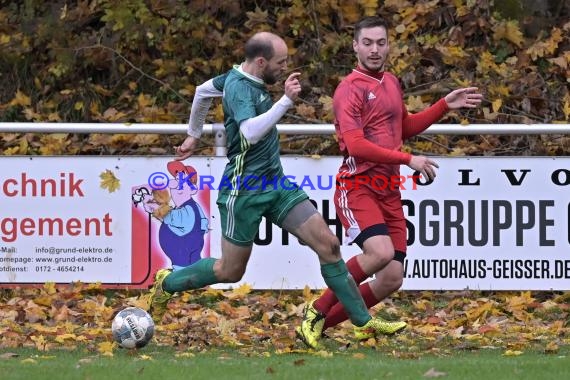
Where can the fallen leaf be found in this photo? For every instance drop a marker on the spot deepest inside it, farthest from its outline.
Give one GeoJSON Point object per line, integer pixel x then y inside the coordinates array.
{"type": "Point", "coordinates": [512, 353]}
{"type": "Point", "coordinates": [432, 372]}
{"type": "Point", "coordinates": [109, 181]}
{"type": "Point", "coordinates": [8, 355]}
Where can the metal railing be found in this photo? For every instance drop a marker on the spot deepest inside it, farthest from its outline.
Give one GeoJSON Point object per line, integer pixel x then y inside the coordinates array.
{"type": "Point", "coordinates": [291, 129]}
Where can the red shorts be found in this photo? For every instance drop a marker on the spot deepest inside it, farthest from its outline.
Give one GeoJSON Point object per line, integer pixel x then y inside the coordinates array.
{"type": "Point", "coordinates": [362, 208]}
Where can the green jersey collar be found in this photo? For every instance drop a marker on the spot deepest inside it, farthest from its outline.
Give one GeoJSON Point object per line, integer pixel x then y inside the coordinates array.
{"type": "Point", "coordinates": [252, 78]}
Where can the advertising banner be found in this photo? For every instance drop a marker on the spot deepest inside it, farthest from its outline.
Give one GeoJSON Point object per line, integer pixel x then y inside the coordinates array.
{"type": "Point", "coordinates": [488, 223]}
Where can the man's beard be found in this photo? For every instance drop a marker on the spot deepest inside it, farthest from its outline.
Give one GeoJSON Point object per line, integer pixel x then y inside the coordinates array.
{"type": "Point", "coordinates": [376, 68]}
{"type": "Point", "coordinates": [269, 78]}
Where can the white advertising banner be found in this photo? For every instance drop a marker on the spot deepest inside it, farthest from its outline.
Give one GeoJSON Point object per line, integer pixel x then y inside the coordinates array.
{"type": "Point", "coordinates": [500, 223]}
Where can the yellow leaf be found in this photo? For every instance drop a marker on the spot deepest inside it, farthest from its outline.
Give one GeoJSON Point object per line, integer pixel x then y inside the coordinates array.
{"type": "Point", "coordinates": [4, 39]}
{"type": "Point", "coordinates": [145, 357]}
{"type": "Point", "coordinates": [94, 109]}
{"type": "Point", "coordinates": [452, 54]}
{"type": "Point", "coordinates": [49, 287]}
{"type": "Point", "coordinates": [102, 90]}
{"type": "Point", "coordinates": [486, 63]}
{"type": "Point", "coordinates": [509, 30]}
{"type": "Point", "coordinates": [324, 354]}
{"type": "Point", "coordinates": [415, 104]}
{"type": "Point", "coordinates": [61, 338]}
{"type": "Point", "coordinates": [542, 48]}
{"type": "Point", "coordinates": [307, 294]}
{"type": "Point", "coordinates": [327, 101]}
{"type": "Point", "coordinates": [78, 106]}
{"type": "Point", "coordinates": [499, 89]}
{"type": "Point", "coordinates": [551, 348]}
{"type": "Point", "coordinates": [359, 355]}
{"type": "Point", "coordinates": [109, 181]}
{"type": "Point", "coordinates": [40, 342]}
{"type": "Point", "coordinates": [488, 115]}
{"type": "Point", "coordinates": [54, 116]}
{"type": "Point", "coordinates": [219, 112]}
{"type": "Point", "coordinates": [30, 114]}
{"type": "Point", "coordinates": [212, 292]}
{"type": "Point", "coordinates": [28, 361]}
{"type": "Point", "coordinates": [144, 101]}
{"type": "Point", "coordinates": [457, 152]}
{"type": "Point", "coordinates": [369, 6]}
{"type": "Point", "coordinates": [242, 290]}
{"type": "Point", "coordinates": [497, 105]}
{"type": "Point", "coordinates": [11, 151]}
{"type": "Point", "coordinates": [111, 114]}
{"type": "Point", "coordinates": [265, 319]}
{"type": "Point", "coordinates": [106, 348]}
{"type": "Point", "coordinates": [21, 99]}
{"type": "Point", "coordinates": [512, 353]}
{"type": "Point", "coordinates": [184, 355]}
{"type": "Point", "coordinates": [349, 12]}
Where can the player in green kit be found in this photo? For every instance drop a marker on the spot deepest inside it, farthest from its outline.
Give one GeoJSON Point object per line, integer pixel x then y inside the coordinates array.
{"type": "Point", "coordinates": [256, 186]}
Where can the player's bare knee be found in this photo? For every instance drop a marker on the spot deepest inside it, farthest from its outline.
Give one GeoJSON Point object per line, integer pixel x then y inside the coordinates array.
{"type": "Point", "coordinates": [332, 247]}
{"type": "Point", "coordinates": [380, 254]}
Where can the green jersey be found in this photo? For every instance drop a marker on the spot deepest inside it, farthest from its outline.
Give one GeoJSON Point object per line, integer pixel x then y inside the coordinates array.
{"type": "Point", "coordinates": [252, 167]}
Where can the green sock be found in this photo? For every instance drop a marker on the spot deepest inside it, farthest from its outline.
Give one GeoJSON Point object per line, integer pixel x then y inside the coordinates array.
{"type": "Point", "coordinates": [195, 276]}
{"type": "Point", "coordinates": [338, 279]}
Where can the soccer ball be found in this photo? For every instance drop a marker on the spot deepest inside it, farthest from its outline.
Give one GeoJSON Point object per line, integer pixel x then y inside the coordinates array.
{"type": "Point", "coordinates": [132, 327]}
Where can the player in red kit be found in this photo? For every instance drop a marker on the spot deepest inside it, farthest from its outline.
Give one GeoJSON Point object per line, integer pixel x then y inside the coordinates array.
{"type": "Point", "coordinates": [371, 123]}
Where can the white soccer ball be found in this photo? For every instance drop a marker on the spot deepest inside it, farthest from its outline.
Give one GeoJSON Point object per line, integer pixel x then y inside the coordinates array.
{"type": "Point", "coordinates": [132, 327]}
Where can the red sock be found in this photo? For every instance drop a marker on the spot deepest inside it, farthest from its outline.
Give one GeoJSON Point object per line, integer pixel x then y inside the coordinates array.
{"type": "Point", "coordinates": [327, 300]}
{"type": "Point", "coordinates": [337, 314]}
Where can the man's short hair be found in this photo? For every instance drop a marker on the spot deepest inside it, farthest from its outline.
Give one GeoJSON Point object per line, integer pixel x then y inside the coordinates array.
{"type": "Point", "coordinates": [256, 47]}
{"type": "Point", "coordinates": [369, 22]}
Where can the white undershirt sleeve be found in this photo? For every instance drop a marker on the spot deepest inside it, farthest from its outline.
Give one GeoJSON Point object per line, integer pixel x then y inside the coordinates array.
{"type": "Point", "coordinates": [255, 128]}
{"type": "Point", "coordinates": [200, 107]}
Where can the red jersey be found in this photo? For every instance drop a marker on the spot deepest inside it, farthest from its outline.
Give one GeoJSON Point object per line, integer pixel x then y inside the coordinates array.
{"type": "Point", "coordinates": [372, 105]}
{"type": "Point", "coordinates": [371, 102]}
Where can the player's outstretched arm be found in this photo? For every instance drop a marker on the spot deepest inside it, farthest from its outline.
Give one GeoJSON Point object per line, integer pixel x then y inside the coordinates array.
{"type": "Point", "coordinates": [468, 97]}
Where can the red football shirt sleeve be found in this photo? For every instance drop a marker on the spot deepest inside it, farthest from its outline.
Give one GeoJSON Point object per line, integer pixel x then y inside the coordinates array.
{"type": "Point", "coordinates": [415, 123]}
{"type": "Point", "coordinates": [359, 147]}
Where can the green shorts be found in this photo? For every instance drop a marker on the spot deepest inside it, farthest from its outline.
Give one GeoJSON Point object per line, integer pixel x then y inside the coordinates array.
{"type": "Point", "coordinates": [241, 215]}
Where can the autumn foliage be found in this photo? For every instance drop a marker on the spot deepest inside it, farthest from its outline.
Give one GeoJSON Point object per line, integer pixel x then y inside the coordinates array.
{"type": "Point", "coordinates": [138, 61]}
{"type": "Point", "coordinates": [65, 317]}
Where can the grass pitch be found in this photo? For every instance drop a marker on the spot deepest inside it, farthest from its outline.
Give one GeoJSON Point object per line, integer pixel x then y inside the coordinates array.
{"type": "Point", "coordinates": [155, 362]}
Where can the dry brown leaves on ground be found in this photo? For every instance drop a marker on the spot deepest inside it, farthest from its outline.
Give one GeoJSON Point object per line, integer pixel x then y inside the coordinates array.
{"type": "Point", "coordinates": [256, 322]}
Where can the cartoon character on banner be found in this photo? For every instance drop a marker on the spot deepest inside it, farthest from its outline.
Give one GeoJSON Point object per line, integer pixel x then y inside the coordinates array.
{"type": "Point", "coordinates": [183, 226]}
